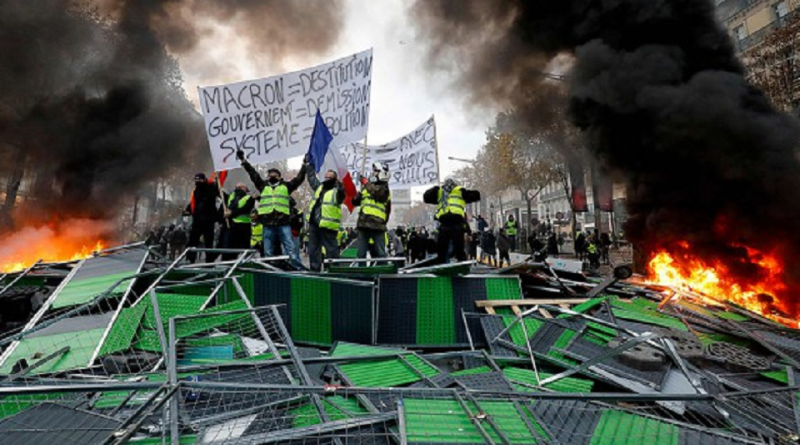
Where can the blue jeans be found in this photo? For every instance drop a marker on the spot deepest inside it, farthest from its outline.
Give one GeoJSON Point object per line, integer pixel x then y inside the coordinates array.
{"type": "Point", "coordinates": [376, 249]}
{"type": "Point", "coordinates": [296, 240]}
{"type": "Point", "coordinates": [284, 235]}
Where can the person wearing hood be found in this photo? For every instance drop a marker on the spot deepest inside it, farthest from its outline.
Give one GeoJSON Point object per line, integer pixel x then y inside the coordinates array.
{"type": "Point", "coordinates": [205, 214]}
{"type": "Point", "coordinates": [237, 227]}
{"type": "Point", "coordinates": [324, 215]}
{"type": "Point", "coordinates": [273, 208]}
{"type": "Point", "coordinates": [375, 202]}
{"type": "Point", "coordinates": [451, 202]}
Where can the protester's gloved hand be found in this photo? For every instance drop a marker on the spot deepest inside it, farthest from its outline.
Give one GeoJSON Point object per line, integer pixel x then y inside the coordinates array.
{"type": "Point", "coordinates": [363, 179]}
{"type": "Point", "coordinates": [240, 155]}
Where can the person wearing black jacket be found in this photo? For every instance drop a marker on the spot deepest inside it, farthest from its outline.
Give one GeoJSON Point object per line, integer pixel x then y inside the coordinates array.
{"type": "Point", "coordinates": [236, 231]}
{"type": "Point", "coordinates": [273, 209]}
{"type": "Point", "coordinates": [376, 207]}
{"type": "Point", "coordinates": [451, 209]}
{"type": "Point", "coordinates": [205, 213]}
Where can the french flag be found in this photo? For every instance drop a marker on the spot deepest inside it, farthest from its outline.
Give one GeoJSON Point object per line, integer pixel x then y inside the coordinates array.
{"type": "Point", "coordinates": [325, 157]}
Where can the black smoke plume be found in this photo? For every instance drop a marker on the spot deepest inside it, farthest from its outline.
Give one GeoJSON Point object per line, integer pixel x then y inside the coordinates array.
{"type": "Point", "coordinates": [92, 105]}
{"type": "Point", "coordinates": [661, 99]}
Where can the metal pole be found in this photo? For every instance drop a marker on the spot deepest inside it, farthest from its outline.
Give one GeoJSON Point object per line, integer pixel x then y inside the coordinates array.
{"type": "Point", "coordinates": [530, 351]}
{"type": "Point", "coordinates": [301, 369]}
{"type": "Point", "coordinates": [401, 421]}
{"type": "Point", "coordinates": [172, 374]}
{"type": "Point", "coordinates": [45, 307]}
{"type": "Point", "coordinates": [242, 256]}
{"type": "Point", "coordinates": [162, 338]}
{"type": "Point", "coordinates": [118, 309]}
{"type": "Point", "coordinates": [436, 141]}
{"type": "Point", "coordinates": [256, 320]}
{"type": "Point", "coordinates": [18, 277]}
{"type": "Point", "coordinates": [164, 274]}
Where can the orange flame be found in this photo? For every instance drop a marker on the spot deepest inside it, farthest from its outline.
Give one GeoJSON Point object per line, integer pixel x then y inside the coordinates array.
{"type": "Point", "coordinates": [713, 280]}
{"type": "Point", "coordinates": [68, 241]}
{"type": "Point", "coordinates": [51, 254]}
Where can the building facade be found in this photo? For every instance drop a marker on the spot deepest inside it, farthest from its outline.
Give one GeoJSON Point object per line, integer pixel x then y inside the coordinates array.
{"type": "Point", "coordinates": [750, 21]}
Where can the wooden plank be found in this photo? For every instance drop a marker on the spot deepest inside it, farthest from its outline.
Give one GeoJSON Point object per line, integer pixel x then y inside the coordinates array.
{"type": "Point", "coordinates": [490, 310]}
{"type": "Point", "coordinates": [545, 313]}
{"type": "Point", "coordinates": [516, 310]}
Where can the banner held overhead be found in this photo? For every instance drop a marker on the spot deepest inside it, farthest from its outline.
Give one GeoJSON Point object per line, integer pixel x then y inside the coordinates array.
{"type": "Point", "coordinates": [412, 159]}
{"type": "Point", "coordinates": [271, 119]}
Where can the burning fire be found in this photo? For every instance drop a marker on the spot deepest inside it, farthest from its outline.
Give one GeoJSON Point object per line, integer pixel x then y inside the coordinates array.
{"type": "Point", "coordinates": [67, 241]}
{"type": "Point", "coordinates": [713, 280]}
{"type": "Point", "coordinates": [51, 254]}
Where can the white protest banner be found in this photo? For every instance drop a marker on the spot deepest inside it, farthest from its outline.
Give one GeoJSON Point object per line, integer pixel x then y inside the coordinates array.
{"type": "Point", "coordinates": [272, 119]}
{"type": "Point", "coordinates": [412, 159]}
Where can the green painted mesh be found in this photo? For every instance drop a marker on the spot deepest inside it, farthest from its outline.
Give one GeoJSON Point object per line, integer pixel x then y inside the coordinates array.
{"type": "Point", "coordinates": [78, 292]}
{"type": "Point", "coordinates": [311, 311]}
{"type": "Point", "coordinates": [122, 333]}
{"type": "Point", "coordinates": [503, 289]}
{"type": "Point", "coordinates": [435, 311]}
{"type": "Point", "coordinates": [618, 427]}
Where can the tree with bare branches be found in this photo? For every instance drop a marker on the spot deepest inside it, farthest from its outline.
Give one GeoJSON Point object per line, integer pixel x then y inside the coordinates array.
{"type": "Point", "coordinates": [773, 64]}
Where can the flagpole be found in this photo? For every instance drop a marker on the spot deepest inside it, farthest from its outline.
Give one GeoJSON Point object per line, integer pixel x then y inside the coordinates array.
{"type": "Point", "coordinates": [436, 141]}
{"type": "Point", "coordinates": [222, 197]}
{"type": "Point", "coordinates": [364, 157]}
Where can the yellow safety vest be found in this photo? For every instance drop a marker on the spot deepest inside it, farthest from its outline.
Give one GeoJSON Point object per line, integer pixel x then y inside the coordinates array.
{"type": "Point", "coordinates": [331, 211]}
{"type": "Point", "coordinates": [241, 219]}
{"type": "Point", "coordinates": [256, 235]}
{"type": "Point", "coordinates": [372, 207]}
{"type": "Point", "coordinates": [274, 199]}
{"type": "Point", "coordinates": [455, 203]}
{"type": "Point", "coordinates": [510, 229]}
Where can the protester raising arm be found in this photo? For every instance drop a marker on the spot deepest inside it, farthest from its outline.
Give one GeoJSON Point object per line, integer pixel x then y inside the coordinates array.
{"type": "Point", "coordinates": [431, 196]}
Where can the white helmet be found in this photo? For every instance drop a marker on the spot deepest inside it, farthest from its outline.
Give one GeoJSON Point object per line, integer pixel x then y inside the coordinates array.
{"type": "Point", "coordinates": [381, 171]}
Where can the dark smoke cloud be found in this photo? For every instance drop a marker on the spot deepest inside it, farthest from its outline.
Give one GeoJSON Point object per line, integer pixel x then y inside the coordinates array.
{"type": "Point", "coordinates": [661, 100]}
{"type": "Point", "coordinates": [92, 101]}
{"type": "Point", "coordinates": [272, 29]}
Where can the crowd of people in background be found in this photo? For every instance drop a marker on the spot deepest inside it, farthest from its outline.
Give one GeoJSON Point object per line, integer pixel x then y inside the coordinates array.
{"type": "Point", "coordinates": [593, 247]}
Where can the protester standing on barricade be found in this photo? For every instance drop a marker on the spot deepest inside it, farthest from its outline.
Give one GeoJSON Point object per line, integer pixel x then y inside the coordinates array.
{"type": "Point", "coordinates": [375, 205]}
{"type": "Point", "coordinates": [237, 230]}
{"type": "Point", "coordinates": [297, 224]}
{"type": "Point", "coordinates": [256, 233]}
{"type": "Point", "coordinates": [205, 214]}
{"type": "Point", "coordinates": [273, 209]}
{"type": "Point", "coordinates": [451, 203]}
{"type": "Point", "coordinates": [324, 215]}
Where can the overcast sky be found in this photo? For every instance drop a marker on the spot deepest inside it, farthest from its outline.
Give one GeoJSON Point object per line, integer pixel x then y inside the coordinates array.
{"type": "Point", "coordinates": [404, 93]}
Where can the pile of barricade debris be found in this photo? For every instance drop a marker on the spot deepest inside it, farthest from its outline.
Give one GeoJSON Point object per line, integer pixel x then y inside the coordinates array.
{"type": "Point", "coordinates": [126, 347]}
